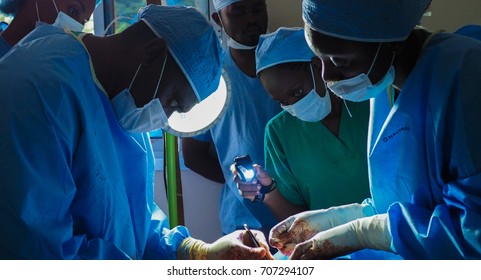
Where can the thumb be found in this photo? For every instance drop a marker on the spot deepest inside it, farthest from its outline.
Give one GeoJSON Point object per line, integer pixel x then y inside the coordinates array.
{"type": "Point", "coordinates": [258, 253]}
{"type": "Point", "coordinates": [262, 175]}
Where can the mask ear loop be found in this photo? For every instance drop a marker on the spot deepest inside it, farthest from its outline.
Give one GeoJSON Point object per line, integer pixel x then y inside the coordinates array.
{"type": "Point", "coordinates": [160, 77]}
{"type": "Point", "coordinates": [106, 29]}
{"type": "Point", "coordinates": [135, 75]}
{"type": "Point", "coordinates": [374, 61]}
{"type": "Point", "coordinates": [36, 7]}
{"type": "Point", "coordinates": [313, 78]}
{"type": "Point", "coordinates": [55, 5]}
{"type": "Point", "coordinates": [348, 111]}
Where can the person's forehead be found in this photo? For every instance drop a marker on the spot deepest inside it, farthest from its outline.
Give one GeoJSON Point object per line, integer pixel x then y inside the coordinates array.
{"type": "Point", "coordinates": [245, 4]}
{"type": "Point", "coordinates": [285, 74]}
{"type": "Point", "coordinates": [329, 45]}
{"type": "Point", "coordinates": [86, 5]}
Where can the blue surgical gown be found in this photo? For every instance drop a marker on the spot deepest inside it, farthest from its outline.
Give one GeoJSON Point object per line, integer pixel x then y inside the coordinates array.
{"type": "Point", "coordinates": [473, 31]}
{"type": "Point", "coordinates": [73, 183]}
{"type": "Point", "coordinates": [240, 131]}
{"type": "Point", "coordinates": [425, 153]}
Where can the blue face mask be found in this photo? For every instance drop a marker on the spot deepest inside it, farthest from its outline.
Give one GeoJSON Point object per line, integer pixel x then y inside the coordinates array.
{"type": "Point", "coordinates": [65, 21]}
{"type": "Point", "coordinates": [312, 107]}
{"type": "Point", "coordinates": [360, 88]}
{"type": "Point", "coordinates": [133, 119]}
{"type": "Point", "coordinates": [62, 20]}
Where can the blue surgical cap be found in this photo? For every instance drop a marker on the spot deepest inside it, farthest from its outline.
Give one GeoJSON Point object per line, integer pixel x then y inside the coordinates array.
{"type": "Point", "coordinates": [11, 7]}
{"type": "Point", "coordinates": [282, 46]}
{"type": "Point", "coordinates": [220, 4]}
{"type": "Point", "coordinates": [192, 42]}
{"type": "Point", "coordinates": [364, 20]}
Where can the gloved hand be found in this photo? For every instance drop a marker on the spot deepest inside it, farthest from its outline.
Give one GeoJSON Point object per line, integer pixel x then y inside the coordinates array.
{"type": "Point", "coordinates": [234, 246]}
{"type": "Point", "coordinates": [370, 232]}
{"type": "Point", "coordinates": [301, 227]}
{"type": "Point", "coordinates": [253, 188]}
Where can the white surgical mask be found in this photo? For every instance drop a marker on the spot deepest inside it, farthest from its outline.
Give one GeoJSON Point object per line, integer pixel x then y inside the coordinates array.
{"type": "Point", "coordinates": [238, 46]}
{"type": "Point", "coordinates": [234, 44]}
{"type": "Point", "coordinates": [148, 118]}
{"type": "Point", "coordinates": [62, 20]}
{"type": "Point", "coordinates": [65, 21]}
{"type": "Point", "coordinates": [312, 107]}
{"type": "Point", "coordinates": [360, 87]}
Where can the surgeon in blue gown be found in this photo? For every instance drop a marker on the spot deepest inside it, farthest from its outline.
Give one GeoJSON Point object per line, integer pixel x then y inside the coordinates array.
{"type": "Point", "coordinates": [77, 176]}
{"type": "Point", "coordinates": [27, 14]}
{"type": "Point", "coordinates": [424, 140]}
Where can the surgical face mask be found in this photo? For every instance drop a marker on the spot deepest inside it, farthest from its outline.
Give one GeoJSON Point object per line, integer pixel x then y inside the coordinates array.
{"type": "Point", "coordinates": [312, 107]}
{"type": "Point", "coordinates": [62, 20]}
{"type": "Point", "coordinates": [133, 119]}
{"type": "Point", "coordinates": [65, 21]}
{"type": "Point", "coordinates": [234, 44]}
{"type": "Point", "coordinates": [238, 46]}
{"type": "Point", "coordinates": [360, 88]}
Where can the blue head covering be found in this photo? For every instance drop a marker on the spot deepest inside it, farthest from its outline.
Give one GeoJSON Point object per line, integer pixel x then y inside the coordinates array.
{"type": "Point", "coordinates": [282, 46]}
{"type": "Point", "coordinates": [220, 4]}
{"type": "Point", "coordinates": [364, 20]}
{"type": "Point", "coordinates": [11, 7]}
{"type": "Point", "coordinates": [192, 42]}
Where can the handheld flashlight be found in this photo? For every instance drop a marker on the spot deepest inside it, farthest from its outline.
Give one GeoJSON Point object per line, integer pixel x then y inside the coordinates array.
{"type": "Point", "coordinates": [244, 168]}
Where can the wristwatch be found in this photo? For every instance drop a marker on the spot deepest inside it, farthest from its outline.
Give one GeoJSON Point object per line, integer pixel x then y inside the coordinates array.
{"type": "Point", "coordinates": [265, 190]}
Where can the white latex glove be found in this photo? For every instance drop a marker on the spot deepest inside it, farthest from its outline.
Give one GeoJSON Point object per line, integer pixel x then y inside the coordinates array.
{"type": "Point", "coordinates": [301, 227]}
{"type": "Point", "coordinates": [370, 232]}
{"type": "Point", "coordinates": [234, 246]}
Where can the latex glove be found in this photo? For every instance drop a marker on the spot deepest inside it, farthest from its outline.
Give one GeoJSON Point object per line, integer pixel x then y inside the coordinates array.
{"type": "Point", "coordinates": [251, 189]}
{"type": "Point", "coordinates": [301, 227]}
{"type": "Point", "coordinates": [234, 246]}
{"type": "Point", "coordinates": [370, 232]}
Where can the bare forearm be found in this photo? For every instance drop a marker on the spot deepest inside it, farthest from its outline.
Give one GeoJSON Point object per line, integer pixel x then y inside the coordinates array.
{"type": "Point", "coordinates": [280, 207]}
{"type": "Point", "coordinates": [198, 157]}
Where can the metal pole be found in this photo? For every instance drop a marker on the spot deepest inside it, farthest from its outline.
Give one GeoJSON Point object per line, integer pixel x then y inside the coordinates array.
{"type": "Point", "coordinates": [109, 15]}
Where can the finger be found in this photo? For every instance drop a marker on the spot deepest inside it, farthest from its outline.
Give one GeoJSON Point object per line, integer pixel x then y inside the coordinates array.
{"type": "Point", "coordinates": [237, 179]}
{"type": "Point", "coordinates": [246, 239]}
{"type": "Point", "coordinates": [247, 195]}
{"type": "Point", "coordinates": [257, 253]}
{"type": "Point", "coordinates": [301, 251]}
{"type": "Point", "coordinates": [281, 228]}
{"type": "Point", "coordinates": [249, 249]}
{"type": "Point", "coordinates": [232, 169]}
{"type": "Point", "coordinates": [249, 188]}
{"type": "Point", "coordinates": [261, 173]}
{"type": "Point", "coordinates": [288, 248]}
{"type": "Point", "coordinates": [243, 252]}
{"type": "Point", "coordinates": [244, 195]}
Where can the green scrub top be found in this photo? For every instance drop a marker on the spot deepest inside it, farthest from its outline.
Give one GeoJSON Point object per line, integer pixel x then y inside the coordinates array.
{"type": "Point", "coordinates": [315, 168]}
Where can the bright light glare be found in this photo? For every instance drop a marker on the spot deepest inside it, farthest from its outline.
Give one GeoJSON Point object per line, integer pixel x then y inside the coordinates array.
{"type": "Point", "coordinates": [204, 114]}
{"type": "Point", "coordinates": [249, 174]}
